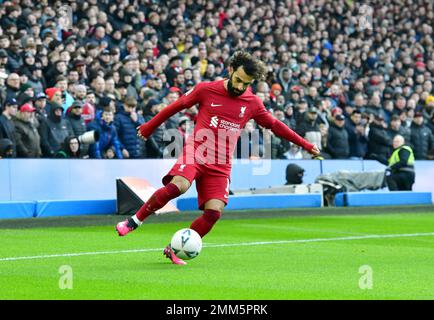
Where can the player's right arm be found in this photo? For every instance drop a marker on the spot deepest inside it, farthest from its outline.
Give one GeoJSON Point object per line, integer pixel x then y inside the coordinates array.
{"type": "Point", "coordinates": [187, 100]}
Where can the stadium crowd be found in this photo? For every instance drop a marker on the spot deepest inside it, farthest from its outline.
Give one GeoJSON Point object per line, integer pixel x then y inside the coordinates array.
{"type": "Point", "coordinates": [346, 76]}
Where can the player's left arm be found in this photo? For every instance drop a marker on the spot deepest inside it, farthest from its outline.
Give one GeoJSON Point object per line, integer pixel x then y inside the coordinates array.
{"type": "Point", "coordinates": [266, 120]}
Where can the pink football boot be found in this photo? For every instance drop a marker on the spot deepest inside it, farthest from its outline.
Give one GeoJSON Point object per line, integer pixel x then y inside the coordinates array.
{"type": "Point", "coordinates": [168, 252]}
{"type": "Point", "coordinates": [125, 227]}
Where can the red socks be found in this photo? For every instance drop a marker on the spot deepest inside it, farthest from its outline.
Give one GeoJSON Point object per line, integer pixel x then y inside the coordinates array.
{"type": "Point", "coordinates": [205, 222]}
{"type": "Point", "coordinates": [202, 225]}
{"type": "Point", "coordinates": [158, 200]}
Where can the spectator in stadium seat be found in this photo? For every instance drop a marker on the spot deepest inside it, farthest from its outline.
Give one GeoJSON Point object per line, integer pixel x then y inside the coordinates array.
{"type": "Point", "coordinates": [126, 76]}
{"type": "Point", "coordinates": [173, 95]}
{"type": "Point", "coordinates": [174, 68]}
{"type": "Point", "coordinates": [98, 87]}
{"type": "Point", "coordinates": [308, 127]}
{"type": "Point", "coordinates": [275, 91]}
{"type": "Point", "coordinates": [379, 144]}
{"type": "Point", "coordinates": [26, 90]}
{"type": "Point", "coordinates": [7, 127]}
{"type": "Point", "coordinates": [15, 60]}
{"type": "Point", "coordinates": [40, 103]}
{"type": "Point", "coordinates": [13, 86]}
{"type": "Point", "coordinates": [126, 122]}
{"type": "Point", "coordinates": [36, 79]}
{"type": "Point", "coordinates": [375, 107]}
{"type": "Point", "coordinates": [278, 147]}
{"type": "Point", "coordinates": [421, 137]}
{"type": "Point", "coordinates": [57, 129]}
{"type": "Point", "coordinates": [324, 113]}
{"type": "Point", "coordinates": [430, 124]}
{"type": "Point", "coordinates": [59, 69]}
{"type": "Point", "coordinates": [108, 137]}
{"type": "Point", "coordinates": [428, 108]}
{"type": "Point", "coordinates": [294, 153]}
{"type": "Point", "coordinates": [75, 119]}
{"type": "Point", "coordinates": [7, 149]}
{"type": "Point", "coordinates": [89, 107]}
{"type": "Point", "coordinates": [54, 95]}
{"type": "Point", "coordinates": [74, 115]}
{"type": "Point", "coordinates": [289, 116]}
{"type": "Point", "coordinates": [183, 130]}
{"type": "Point", "coordinates": [337, 140]}
{"type": "Point", "coordinates": [285, 79]}
{"type": "Point", "coordinates": [67, 99]}
{"type": "Point", "coordinates": [396, 128]}
{"type": "Point", "coordinates": [27, 136]}
{"type": "Point", "coordinates": [70, 149]}
{"type": "Point", "coordinates": [155, 144]}
{"type": "Point", "coordinates": [357, 139]}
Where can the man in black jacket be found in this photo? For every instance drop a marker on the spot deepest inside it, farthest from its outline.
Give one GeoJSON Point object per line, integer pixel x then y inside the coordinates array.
{"type": "Point", "coordinates": [78, 125]}
{"type": "Point", "coordinates": [396, 128]}
{"type": "Point", "coordinates": [294, 174]}
{"type": "Point", "coordinates": [73, 116]}
{"type": "Point", "coordinates": [356, 135]}
{"type": "Point", "coordinates": [7, 127]}
{"type": "Point", "coordinates": [379, 144]}
{"type": "Point", "coordinates": [308, 128]}
{"type": "Point", "coordinates": [55, 129]}
{"type": "Point", "coordinates": [337, 140]}
{"type": "Point", "coordinates": [421, 137]}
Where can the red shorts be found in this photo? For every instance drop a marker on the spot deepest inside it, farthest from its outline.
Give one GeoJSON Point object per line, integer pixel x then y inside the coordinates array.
{"type": "Point", "coordinates": [210, 184]}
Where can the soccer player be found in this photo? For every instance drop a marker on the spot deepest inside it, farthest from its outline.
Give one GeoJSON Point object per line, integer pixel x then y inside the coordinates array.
{"type": "Point", "coordinates": [225, 106]}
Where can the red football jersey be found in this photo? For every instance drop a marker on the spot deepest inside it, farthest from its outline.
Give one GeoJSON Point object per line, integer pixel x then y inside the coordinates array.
{"type": "Point", "coordinates": [219, 123]}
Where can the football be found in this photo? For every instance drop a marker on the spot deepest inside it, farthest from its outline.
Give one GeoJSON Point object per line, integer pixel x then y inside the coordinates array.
{"type": "Point", "coordinates": [186, 244]}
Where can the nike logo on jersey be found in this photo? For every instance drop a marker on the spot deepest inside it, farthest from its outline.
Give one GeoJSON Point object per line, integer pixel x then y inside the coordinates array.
{"type": "Point", "coordinates": [215, 105]}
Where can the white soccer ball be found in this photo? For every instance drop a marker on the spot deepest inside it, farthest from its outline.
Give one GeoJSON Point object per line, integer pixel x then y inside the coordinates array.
{"type": "Point", "coordinates": [186, 244]}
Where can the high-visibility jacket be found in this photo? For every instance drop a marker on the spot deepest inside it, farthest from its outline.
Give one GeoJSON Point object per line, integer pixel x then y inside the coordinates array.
{"type": "Point", "coordinates": [394, 158]}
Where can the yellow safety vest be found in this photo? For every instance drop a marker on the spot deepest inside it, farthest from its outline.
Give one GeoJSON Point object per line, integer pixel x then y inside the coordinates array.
{"type": "Point", "coordinates": [394, 158]}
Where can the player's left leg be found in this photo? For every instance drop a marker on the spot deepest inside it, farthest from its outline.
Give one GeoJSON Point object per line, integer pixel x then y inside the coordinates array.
{"type": "Point", "coordinates": [213, 192]}
{"type": "Point", "coordinates": [212, 213]}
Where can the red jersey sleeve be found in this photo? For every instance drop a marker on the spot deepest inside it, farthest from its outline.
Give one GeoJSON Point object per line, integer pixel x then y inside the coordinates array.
{"type": "Point", "coordinates": [266, 120]}
{"type": "Point", "coordinates": [189, 99]}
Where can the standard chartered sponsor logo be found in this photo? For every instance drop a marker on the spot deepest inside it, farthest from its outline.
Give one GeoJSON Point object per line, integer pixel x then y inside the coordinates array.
{"type": "Point", "coordinates": [229, 125]}
{"type": "Point", "coordinates": [214, 122]}
{"type": "Point", "coordinates": [223, 124]}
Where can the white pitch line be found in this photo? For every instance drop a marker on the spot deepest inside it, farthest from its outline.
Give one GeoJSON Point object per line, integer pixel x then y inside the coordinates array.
{"type": "Point", "coordinates": [258, 243]}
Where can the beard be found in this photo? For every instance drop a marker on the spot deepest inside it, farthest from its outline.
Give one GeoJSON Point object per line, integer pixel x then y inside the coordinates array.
{"type": "Point", "coordinates": [232, 91]}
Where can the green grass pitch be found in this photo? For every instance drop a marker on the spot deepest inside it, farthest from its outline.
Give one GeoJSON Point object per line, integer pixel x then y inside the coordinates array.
{"type": "Point", "coordinates": [326, 256]}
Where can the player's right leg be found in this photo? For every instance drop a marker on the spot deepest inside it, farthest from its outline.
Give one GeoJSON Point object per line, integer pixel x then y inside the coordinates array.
{"type": "Point", "coordinates": [177, 186]}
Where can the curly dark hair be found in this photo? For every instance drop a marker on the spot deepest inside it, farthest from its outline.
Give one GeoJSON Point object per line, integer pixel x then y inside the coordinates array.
{"type": "Point", "coordinates": [253, 67]}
